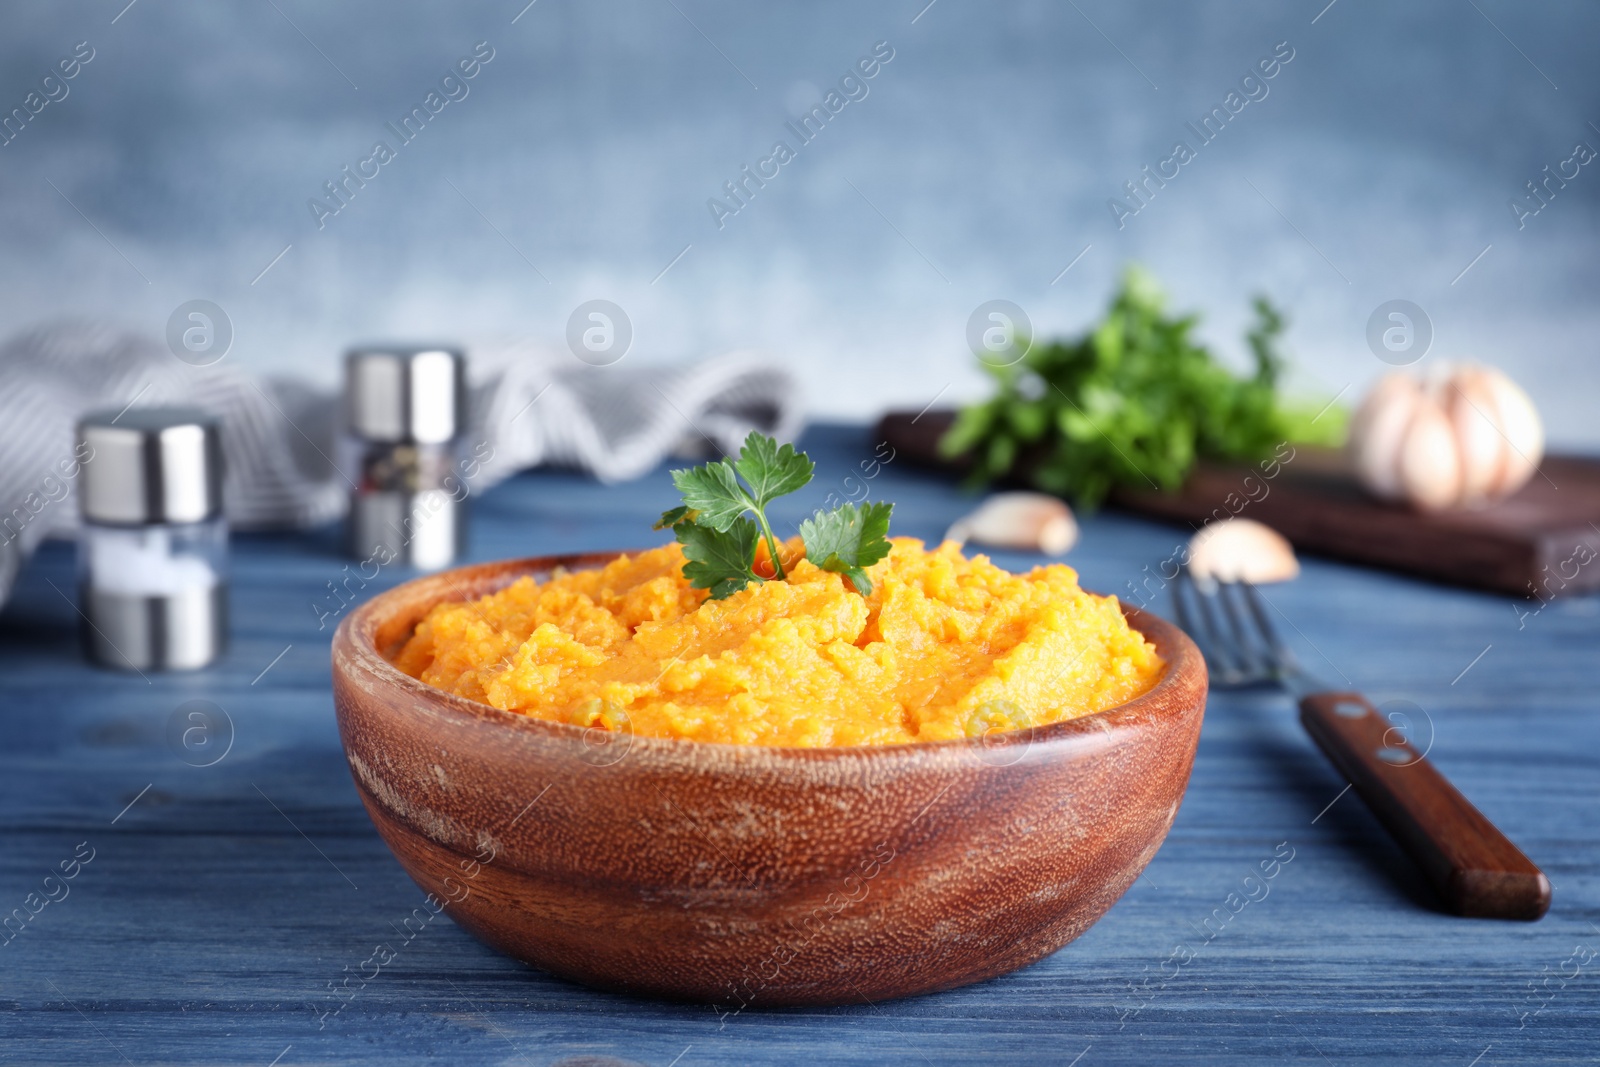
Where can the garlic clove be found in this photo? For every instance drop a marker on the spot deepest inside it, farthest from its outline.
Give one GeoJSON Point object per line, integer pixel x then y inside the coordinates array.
{"type": "Point", "coordinates": [1241, 550]}
{"type": "Point", "coordinates": [1378, 431]}
{"type": "Point", "coordinates": [1472, 405]}
{"type": "Point", "coordinates": [1430, 465]}
{"type": "Point", "coordinates": [1524, 433]}
{"type": "Point", "coordinates": [1033, 522]}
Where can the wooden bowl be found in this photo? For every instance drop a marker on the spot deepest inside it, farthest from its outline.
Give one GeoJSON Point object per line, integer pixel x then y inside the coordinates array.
{"type": "Point", "coordinates": [741, 874]}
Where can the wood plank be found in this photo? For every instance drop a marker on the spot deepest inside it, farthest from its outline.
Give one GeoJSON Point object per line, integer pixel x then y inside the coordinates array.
{"type": "Point", "coordinates": [208, 927]}
{"type": "Point", "coordinates": [1541, 543]}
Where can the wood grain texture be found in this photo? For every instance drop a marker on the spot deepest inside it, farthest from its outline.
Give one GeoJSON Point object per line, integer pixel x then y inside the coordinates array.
{"type": "Point", "coordinates": [216, 920]}
{"type": "Point", "coordinates": [1476, 870]}
{"type": "Point", "coordinates": [745, 874]}
{"type": "Point", "coordinates": [1541, 543]}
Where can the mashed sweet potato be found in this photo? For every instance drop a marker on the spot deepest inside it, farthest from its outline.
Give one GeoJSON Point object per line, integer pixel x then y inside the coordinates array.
{"type": "Point", "coordinates": [945, 647]}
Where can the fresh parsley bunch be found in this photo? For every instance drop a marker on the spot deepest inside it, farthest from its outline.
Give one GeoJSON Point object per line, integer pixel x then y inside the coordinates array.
{"type": "Point", "coordinates": [1134, 402]}
{"type": "Point", "coordinates": [719, 541]}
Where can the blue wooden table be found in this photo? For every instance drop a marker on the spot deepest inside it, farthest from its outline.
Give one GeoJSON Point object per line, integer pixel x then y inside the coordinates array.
{"type": "Point", "coordinates": [211, 910]}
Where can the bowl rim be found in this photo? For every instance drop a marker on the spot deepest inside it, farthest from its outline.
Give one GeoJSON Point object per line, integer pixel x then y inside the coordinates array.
{"type": "Point", "coordinates": [355, 637]}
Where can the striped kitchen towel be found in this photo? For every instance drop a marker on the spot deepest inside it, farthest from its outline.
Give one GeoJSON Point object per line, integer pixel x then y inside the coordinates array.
{"type": "Point", "coordinates": [530, 405]}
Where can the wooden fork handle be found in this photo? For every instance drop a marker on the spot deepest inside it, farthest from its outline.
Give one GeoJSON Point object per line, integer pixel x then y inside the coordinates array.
{"type": "Point", "coordinates": [1476, 869]}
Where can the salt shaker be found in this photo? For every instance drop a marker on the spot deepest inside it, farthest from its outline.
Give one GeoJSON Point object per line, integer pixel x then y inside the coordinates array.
{"type": "Point", "coordinates": [405, 408]}
{"type": "Point", "coordinates": [153, 551]}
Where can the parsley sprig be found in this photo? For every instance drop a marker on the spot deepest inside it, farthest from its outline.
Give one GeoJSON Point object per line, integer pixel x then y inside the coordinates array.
{"type": "Point", "coordinates": [1134, 402]}
{"type": "Point", "coordinates": [719, 540]}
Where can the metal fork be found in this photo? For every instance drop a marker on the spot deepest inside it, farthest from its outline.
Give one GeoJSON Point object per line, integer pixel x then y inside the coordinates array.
{"type": "Point", "coordinates": [1475, 868]}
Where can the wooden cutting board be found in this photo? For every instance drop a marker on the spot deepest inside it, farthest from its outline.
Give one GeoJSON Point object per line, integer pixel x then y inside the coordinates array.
{"type": "Point", "coordinates": [1542, 542]}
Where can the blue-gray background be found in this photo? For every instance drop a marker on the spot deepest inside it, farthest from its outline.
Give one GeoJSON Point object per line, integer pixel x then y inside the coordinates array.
{"type": "Point", "coordinates": [1380, 164]}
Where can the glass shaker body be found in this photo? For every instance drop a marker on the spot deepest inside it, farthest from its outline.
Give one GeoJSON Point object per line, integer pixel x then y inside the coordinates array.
{"type": "Point", "coordinates": [405, 407]}
{"type": "Point", "coordinates": [156, 595]}
{"type": "Point", "coordinates": [153, 546]}
{"type": "Point", "coordinates": [408, 502]}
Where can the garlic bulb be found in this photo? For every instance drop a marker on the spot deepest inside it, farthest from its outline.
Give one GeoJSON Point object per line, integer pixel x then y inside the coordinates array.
{"type": "Point", "coordinates": [1461, 437]}
{"type": "Point", "coordinates": [1033, 522]}
{"type": "Point", "coordinates": [1241, 550]}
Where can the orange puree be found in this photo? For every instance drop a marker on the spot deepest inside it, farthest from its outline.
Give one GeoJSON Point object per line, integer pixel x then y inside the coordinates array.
{"type": "Point", "coordinates": [944, 647]}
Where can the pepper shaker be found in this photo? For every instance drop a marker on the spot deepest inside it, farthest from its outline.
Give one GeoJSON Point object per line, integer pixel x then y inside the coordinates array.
{"type": "Point", "coordinates": [405, 407]}
{"type": "Point", "coordinates": [153, 550]}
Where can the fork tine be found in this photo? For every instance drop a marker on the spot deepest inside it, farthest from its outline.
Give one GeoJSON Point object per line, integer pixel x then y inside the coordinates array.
{"type": "Point", "coordinates": [1200, 623]}
{"type": "Point", "coordinates": [1283, 658]}
{"type": "Point", "coordinates": [1249, 647]}
{"type": "Point", "coordinates": [1187, 597]}
{"type": "Point", "coordinates": [1231, 663]}
{"type": "Point", "coordinates": [1227, 622]}
{"type": "Point", "coordinates": [1185, 621]}
{"type": "Point", "coordinates": [1182, 591]}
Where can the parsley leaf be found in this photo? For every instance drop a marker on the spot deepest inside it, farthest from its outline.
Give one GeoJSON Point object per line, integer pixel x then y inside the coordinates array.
{"type": "Point", "coordinates": [713, 495]}
{"type": "Point", "coordinates": [719, 542]}
{"type": "Point", "coordinates": [848, 539]}
{"type": "Point", "coordinates": [722, 561]}
{"type": "Point", "coordinates": [714, 491]}
{"type": "Point", "coordinates": [672, 516]}
{"type": "Point", "coordinates": [772, 471]}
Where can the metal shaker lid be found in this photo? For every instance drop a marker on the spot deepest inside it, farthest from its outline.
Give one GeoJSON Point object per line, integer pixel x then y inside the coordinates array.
{"type": "Point", "coordinates": [413, 394]}
{"type": "Point", "coordinates": [150, 465]}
